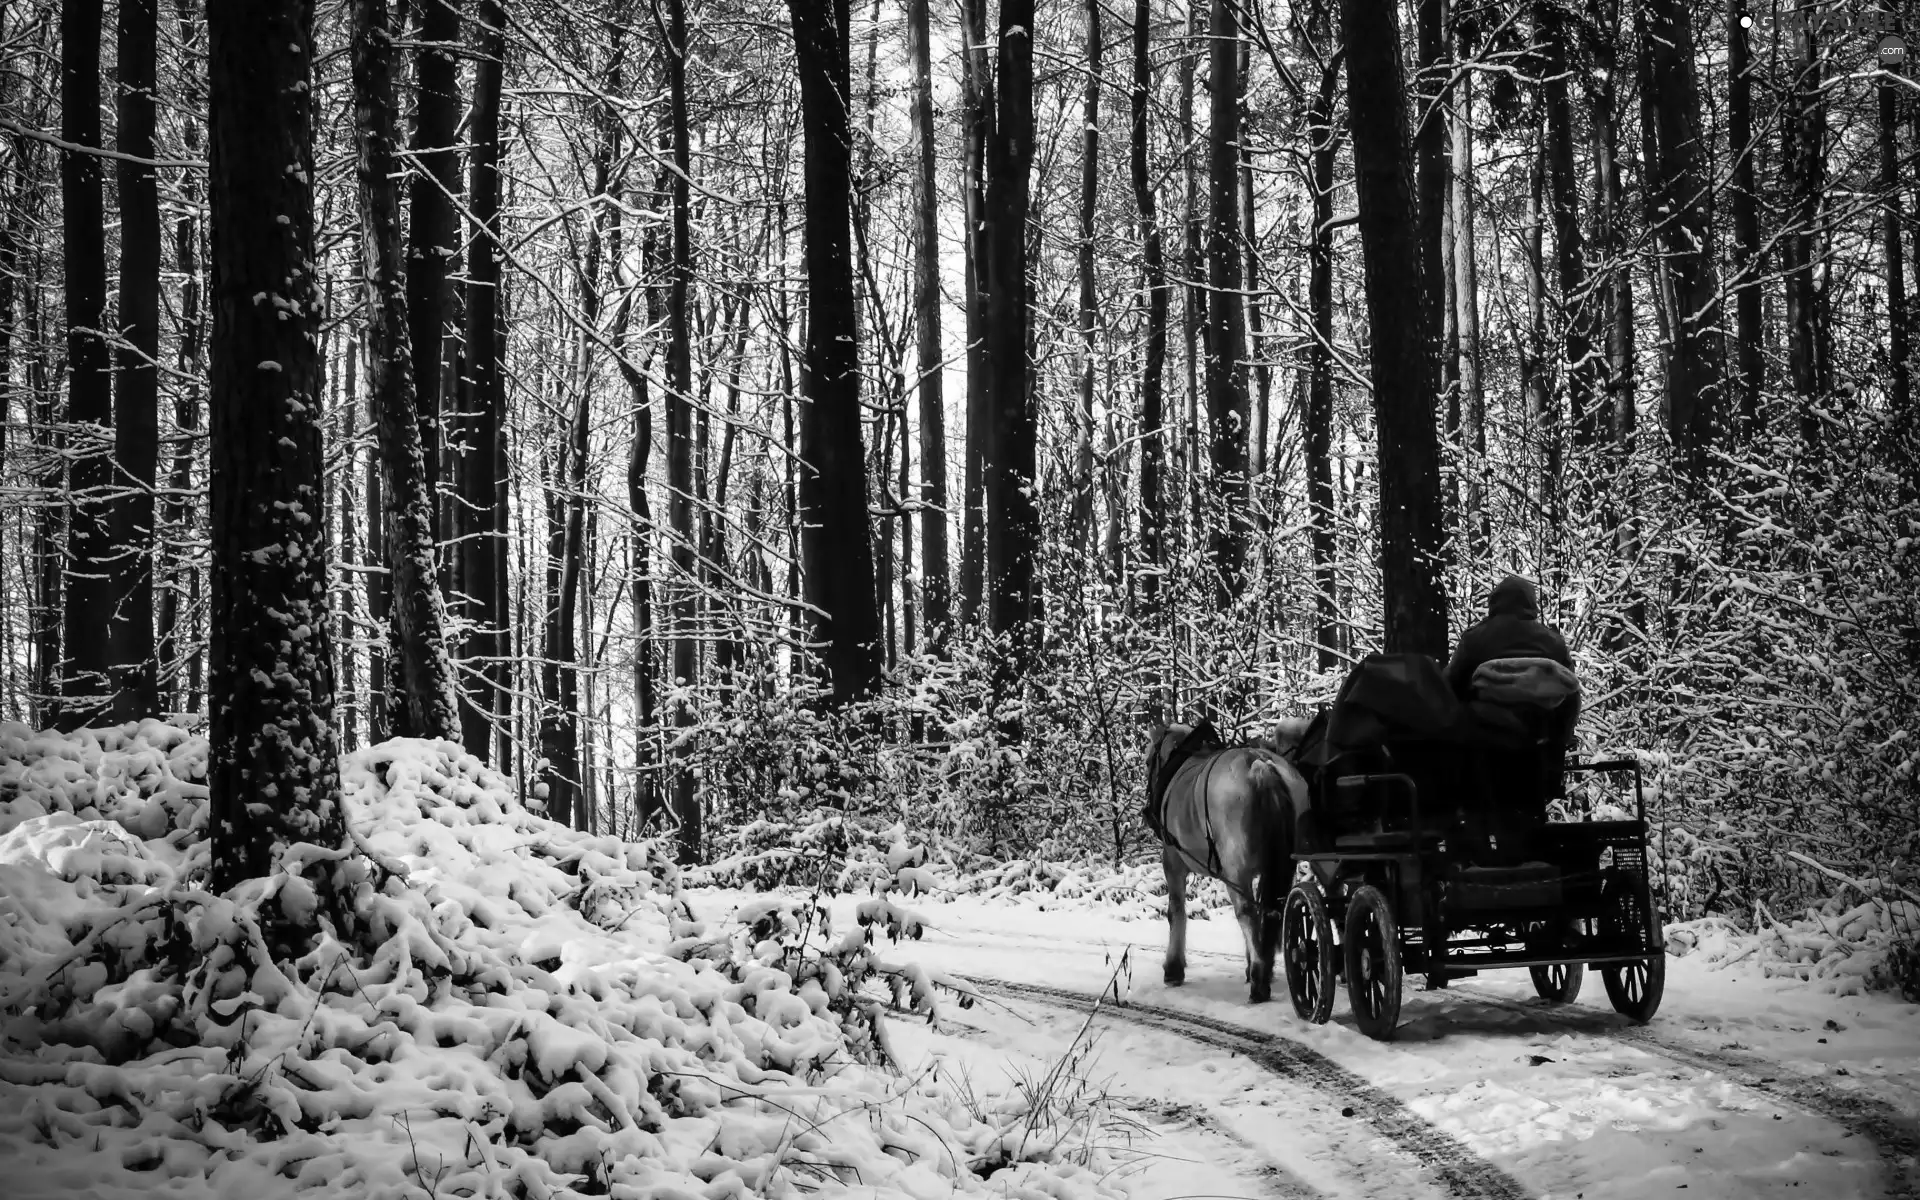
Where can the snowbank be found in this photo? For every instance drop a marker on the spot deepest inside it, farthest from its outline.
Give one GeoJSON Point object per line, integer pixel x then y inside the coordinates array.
{"type": "Point", "coordinates": [488, 1004]}
{"type": "Point", "coordinates": [1841, 948]}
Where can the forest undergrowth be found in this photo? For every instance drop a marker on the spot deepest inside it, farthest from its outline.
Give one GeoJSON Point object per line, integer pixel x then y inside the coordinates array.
{"type": "Point", "coordinates": [468, 1000]}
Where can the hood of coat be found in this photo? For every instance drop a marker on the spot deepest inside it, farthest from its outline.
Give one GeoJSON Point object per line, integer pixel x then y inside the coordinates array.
{"type": "Point", "coordinates": [1514, 597]}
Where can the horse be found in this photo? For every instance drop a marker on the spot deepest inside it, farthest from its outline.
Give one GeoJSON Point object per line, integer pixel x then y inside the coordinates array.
{"type": "Point", "coordinates": [1226, 812]}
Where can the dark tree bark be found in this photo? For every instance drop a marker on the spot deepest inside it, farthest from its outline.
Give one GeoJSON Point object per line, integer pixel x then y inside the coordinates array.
{"type": "Point", "coordinates": [422, 704]}
{"type": "Point", "coordinates": [1748, 371]}
{"type": "Point", "coordinates": [1323, 140]}
{"type": "Point", "coordinates": [1013, 518]}
{"type": "Point", "coordinates": [936, 596]}
{"type": "Point", "coordinates": [1401, 309]}
{"type": "Point", "coordinates": [1466, 323]}
{"type": "Point", "coordinates": [1677, 188]}
{"type": "Point", "coordinates": [568, 798]}
{"type": "Point", "coordinates": [186, 402]}
{"type": "Point", "coordinates": [1542, 406]}
{"type": "Point", "coordinates": [481, 467]}
{"type": "Point", "coordinates": [86, 680]}
{"type": "Point", "coordinates": [274, 775]}
{"type": "Point", "coordinates": [1153, 453]}
{"type": "Point", "coordinates": [684, 606]}
{"type": "Point", "coordinates": [1262, 371]}
{"type": "Point", "coordinates": [838, 553]}
{"type": "Point", "coordinates": [1803, 157]}
{"type": "Point", "coordinates": [1431, 154]}
{"type": "Point", "coordinates": [1577, 311]}
{"type": "Point", "coordinates": [136, 402]}
{"type": "Point", "coordinates": [1618, 422]}
{"type": "Point", "coordinates": [1083, 481]}
{"type": "Point", "coordinates": [1228, 403]}
{"type": "Point", "coordinates": [977, 119]}
{"type": "Point", "coordinates": [1899, 348]}
{"type": "Point", "coordinates": [431, 232]}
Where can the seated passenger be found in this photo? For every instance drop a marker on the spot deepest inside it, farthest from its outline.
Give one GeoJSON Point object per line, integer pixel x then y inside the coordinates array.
{"type": "Point", "coordinates": [1512, 629]}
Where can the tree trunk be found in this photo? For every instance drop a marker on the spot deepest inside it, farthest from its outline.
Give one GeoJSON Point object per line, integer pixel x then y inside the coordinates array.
{"type": "Point", "coordinates": [1262, 436]}
{"type": "Point", "coordinates": [1466, 290]}
{"type": "Point", "coordinates": [977, 117]}
{"type": "Point", "coordinates": [1324, 143]}
{"type": "Point", "coordinates": [1228, 404]}
{"type": "Point", "coordinates": [838, 570]}
{"type": "Point", "coordinates": [1899, 352]}
{"type": "Point", "coordinates": [1089, 202]}
{"type": "Point", "coordinates": [936, 597]}
{"type": "Point", "coordinates": [1618, 423]}
{"type": "Point", "coordinates": [186, 402]}
{"type": "Point", "coordinates": [481, 468]}
{"type": "Point", "coordinates": [136, 402]}
{"type": "Point", "coordinates": [1803, 155]}
{"type": "Point", "coordinates": [86, 682]}
{"type": "Point", "coordinates": [1543, 409]}
{"type": "Point", "coordinates": [1430, 150]}
{"type": "Point", "coordinates": [274, 775]}
{"type": "Point", "coordinates": [1748, 370]}
{"type": "Point", "coordinates": [431, 234]}
{"type": "Point", "coordinates": [423, 704]}
{"type": "Point", "coordinates": [685, 602]}
{"type": "Point", "coordinates": [1677, 186]}
{"type": "Point", "coordinates": [1401, 310]}
{"type": "Point", "coordinates": [1154, 281]}
{"type": "Point", "coordinates": [1013, 519]}
{"type": "Point", "coordinates": [1577, 310]}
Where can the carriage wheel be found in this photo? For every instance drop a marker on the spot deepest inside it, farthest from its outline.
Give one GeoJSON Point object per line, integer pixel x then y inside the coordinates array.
{"type": "Point", "coordinates": [1558, 984]}
{"type": "Point", "coordinates": [1306, 944]}
{"type": "Point", "coordinates": [1373, 963]}
{"type": "Point", "coordinates": [1634, 988]}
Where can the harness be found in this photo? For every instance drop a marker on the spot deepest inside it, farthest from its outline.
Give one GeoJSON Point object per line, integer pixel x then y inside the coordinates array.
{"type": "Point", "coordinates": [1200, 739]}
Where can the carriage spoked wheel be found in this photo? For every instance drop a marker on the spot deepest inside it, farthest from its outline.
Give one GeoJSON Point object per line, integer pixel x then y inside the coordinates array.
{"type": "Point", "coordinates": [1635, 988]}
{"type": "Point", "coordinates": [1306, 945]}
{"type": "Point", "coordinates": [1557, 984]}
{"type": "Point", "coordinates": [1373, 963]}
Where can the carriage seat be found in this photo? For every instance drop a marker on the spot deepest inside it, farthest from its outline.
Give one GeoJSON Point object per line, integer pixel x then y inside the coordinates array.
{"type": "Point", "coordinates": [1525, 885]}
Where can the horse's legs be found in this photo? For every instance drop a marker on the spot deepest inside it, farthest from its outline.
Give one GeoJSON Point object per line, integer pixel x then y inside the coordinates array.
{"type": "Point", "coordinates": [1176, 965]}
{"type": "Point", "coordinates": [1253, 923]}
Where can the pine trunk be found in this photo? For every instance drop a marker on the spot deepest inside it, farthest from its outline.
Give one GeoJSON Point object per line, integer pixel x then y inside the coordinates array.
{"type": "Point", "coordinates": [1153, 453]}
{"type": "Point", "coordinates": [136, 401]}
{"type": "Point", "coordinates": [838, 552]}
{"type": "Point", "coordinates": [1742, 199]}
{"type": "Point", "coordinates": [1402, 308]}
{"type": "Point", "coordinates": [422, 704]}
{"type": "Point", "coordinates": [685, 602]}
{"type": "Point", "coordinates": [432, 239]}
{"type": "Point", "coordinates": [977, 117]}
{"type": "Point", "coordinates": [274, 775]}
{"type": "Point", "coordinates": [1324, 142]}
{"type": "Point", "coordinates": [481, 468]}
{"type": "Point", "coordinates": [1228, 405]}
{"type": "Point", "coordinates": [1083, 482]}
{"type": "Point", "coordinates": [86, 672]}
{"type": "Point", "coordinates": [936, 596]}
{"type": "Point", "coordinates": [1013, 518]}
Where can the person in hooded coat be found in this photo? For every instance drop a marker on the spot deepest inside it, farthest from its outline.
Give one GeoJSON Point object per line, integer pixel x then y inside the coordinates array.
{"type": "Point", "coordinates": [1512, 629]}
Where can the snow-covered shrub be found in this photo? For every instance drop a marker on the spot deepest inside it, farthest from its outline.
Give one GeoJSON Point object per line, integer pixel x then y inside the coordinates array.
{"type": "Point", "coordinates": [468, 1000]}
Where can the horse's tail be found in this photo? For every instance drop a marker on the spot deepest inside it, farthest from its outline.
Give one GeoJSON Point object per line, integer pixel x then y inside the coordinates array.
{"type": "Point", "coordinates": [1272, 825]}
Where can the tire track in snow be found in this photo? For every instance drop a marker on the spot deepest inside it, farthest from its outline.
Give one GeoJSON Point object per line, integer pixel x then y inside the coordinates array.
{"type": "Point", "coordinates": [1458, 1169]}
{"type": "Point", "coordinates": [1895, 1136]}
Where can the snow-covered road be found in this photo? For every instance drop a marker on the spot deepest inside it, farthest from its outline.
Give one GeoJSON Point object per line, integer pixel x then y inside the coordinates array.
{"type": "Point", "coordinates": [1742, 1086]}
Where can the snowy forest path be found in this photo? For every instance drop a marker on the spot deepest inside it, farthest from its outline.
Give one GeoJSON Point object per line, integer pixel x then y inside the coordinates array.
{"type": "Point", "coordinates": [1895, 1135]}
{"type": "Point", "coordinates": [1733, 1089]}
{"type": "Point", "coordinates": [1457, 1170]}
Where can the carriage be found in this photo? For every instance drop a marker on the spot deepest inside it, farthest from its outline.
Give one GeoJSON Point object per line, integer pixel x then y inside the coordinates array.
{"type": "Point", "coordinates": [1427, 839]}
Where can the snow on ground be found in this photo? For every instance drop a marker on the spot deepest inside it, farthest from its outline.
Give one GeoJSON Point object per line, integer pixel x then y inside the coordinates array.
{"type": "Point", "coordinates": [1572, 1101]}
{"type": "Point", "coordinates": [503, 1007]}
{"type": "Point", "coordinates": [544, 1013]}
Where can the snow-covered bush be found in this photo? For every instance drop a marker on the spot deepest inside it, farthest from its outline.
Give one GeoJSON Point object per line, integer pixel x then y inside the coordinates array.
{"type": "Point", "coordinates": [469, 1000]}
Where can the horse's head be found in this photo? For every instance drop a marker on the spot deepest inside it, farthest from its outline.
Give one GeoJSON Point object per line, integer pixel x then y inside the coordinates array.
{"type": "Point", "coordinates": [1163, 741]}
